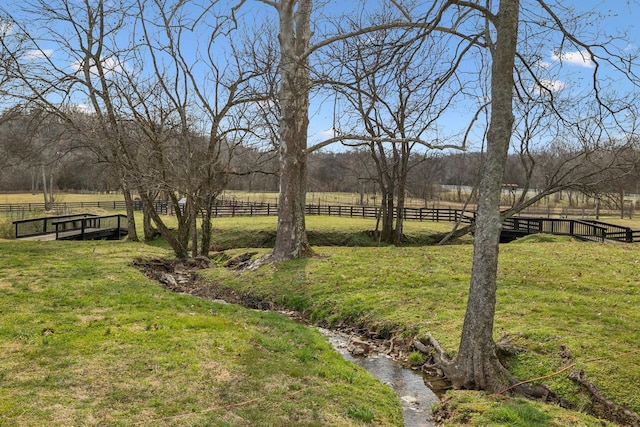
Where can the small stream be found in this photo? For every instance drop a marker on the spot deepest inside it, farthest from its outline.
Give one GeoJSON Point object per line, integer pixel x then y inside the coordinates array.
{"type": "Point", "coordinates": [410, 386]}
{"type": "Point", "coordinates": [416, 398]}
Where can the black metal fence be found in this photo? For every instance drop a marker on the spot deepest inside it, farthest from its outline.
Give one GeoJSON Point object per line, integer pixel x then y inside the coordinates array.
{"type": "Point", "coordinates": [117, 205]}
{"type": "Point", "coordinates": [583, 229]}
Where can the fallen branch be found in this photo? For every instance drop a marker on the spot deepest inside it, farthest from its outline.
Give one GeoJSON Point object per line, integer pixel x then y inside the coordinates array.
{"type": "Point", "coordinates": [611, 410]}
{"type": "Point", "coordinates": [615, 356]}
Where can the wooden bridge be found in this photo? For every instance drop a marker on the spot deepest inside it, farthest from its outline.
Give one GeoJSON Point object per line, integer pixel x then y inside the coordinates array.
{"type": "Point", "coordinates": [515, 227]}
{"type": "Point", "coordinates": [72, 227]}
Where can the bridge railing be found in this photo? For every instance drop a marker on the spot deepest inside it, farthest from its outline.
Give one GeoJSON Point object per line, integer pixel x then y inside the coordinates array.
{"type": "Point", "coordinates": [567, 227]}
{"type": "Point", "coordinates": [618, 232]}
{"type": "Point", "coordinates": [45, 225]}
{"type": "Point", "coordinates": [117, 223]}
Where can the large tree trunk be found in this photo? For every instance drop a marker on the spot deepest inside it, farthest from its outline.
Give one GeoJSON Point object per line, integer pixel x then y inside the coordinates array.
{"type": "Point", "coordinates": [150, 232]}
{"type": "Point", "coordinates": [476, 365]}
{"type": "Point", "coordinates": [386, 234]}
{"type": "Point", "coordinates": [403, 164]}
{"type": "Point", "coordinates": [291, 239]}
{"type": "Point", "coordinates": [47, 203]}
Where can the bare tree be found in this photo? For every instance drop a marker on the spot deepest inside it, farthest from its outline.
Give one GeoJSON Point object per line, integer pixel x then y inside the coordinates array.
{"type": "Point", "coordinates": [85, 36]}
{"type": "Point", "coordinates": [166, 116]}
{"type": "Point", "coordinates": [195, 111]}
{"type": "Point", "coordinates": [294, 17]}
{"type": "Point", "coordinates": [395, 87]}
{"type": "Point", "coordinates": [476, 364]}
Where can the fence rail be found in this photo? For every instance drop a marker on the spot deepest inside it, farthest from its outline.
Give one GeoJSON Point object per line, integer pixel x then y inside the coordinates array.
{"type": "Point", "coordinates": [557, 226]}
{"type": "Point", "coordinates": [117, 205]}
{"type": "Point", "coordinates": [585, 229]}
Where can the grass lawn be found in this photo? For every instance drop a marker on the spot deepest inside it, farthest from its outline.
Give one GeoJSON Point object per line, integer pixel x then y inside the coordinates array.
{"type": "Point", "coordinates": [553, 294]}
{"type": "Point", "coordinates": [86, 339]}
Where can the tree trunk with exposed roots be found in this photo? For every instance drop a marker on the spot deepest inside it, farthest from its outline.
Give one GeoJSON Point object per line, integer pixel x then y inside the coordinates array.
{"type": "Point", "coordinates": [477, 365]}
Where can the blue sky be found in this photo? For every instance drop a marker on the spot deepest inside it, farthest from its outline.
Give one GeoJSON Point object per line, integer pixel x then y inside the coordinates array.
{"type": "Point", "coordinates": [572, 77]}
{"type": "Point", "coordinates": [569, 72]}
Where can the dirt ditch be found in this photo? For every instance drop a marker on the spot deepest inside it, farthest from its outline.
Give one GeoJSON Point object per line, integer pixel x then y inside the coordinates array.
{"type": "Point", "coordinates": [181, 277]}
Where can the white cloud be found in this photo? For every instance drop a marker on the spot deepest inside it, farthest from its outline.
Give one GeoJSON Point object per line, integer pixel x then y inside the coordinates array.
{"type": "Point", "coordinates": [109, 65]}
{"type": "Point", "coordinates": [580, 58]}
{"type": "Point", "coordinates": [38, 54]}
{"type": "Point", "coordinates": [547, 85]}
{"type": "Point", "coordinates": [326, 134]}
{"type": "Point", "coordinates": [6, 27]}
{"type": "Point", "coordinates": [82, 108]}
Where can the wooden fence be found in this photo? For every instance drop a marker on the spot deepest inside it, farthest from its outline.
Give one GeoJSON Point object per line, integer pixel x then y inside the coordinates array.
{"type": "Point", "coordinates": [585, 229]}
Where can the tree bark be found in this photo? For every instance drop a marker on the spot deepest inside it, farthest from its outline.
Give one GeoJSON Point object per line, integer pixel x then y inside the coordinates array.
{"type": "Point", "coordinates": [476, 365]}
{"type": "Point", "coordinates": [178, 246]}
{"type": "Point", "coordinates": [291, 239]}
{"type": "Point", "coordinates": [132, 234]}
{"type": "Point", "coordinates": [150, 232]}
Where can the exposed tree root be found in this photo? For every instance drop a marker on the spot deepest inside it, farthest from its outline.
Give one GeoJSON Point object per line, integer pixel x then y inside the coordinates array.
{"type": "Point", "coordinates": [602, 406]}
{"type": "Point", "coordinates": [440, 362]}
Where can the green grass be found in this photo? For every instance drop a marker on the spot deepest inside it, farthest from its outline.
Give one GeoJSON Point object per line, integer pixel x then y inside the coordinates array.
{"type": "Point", "coordinates": [468, 408]}
{"type": "Point", "coordinates": [85, 339]}
{"type": "Point", "coordinates": [259, 232]}
{"type": "Point", "coordinates": [551, 293]}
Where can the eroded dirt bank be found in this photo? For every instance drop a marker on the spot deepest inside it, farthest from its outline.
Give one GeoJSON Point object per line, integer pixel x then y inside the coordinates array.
{"type": "Point", "coordinates": [181, 276]}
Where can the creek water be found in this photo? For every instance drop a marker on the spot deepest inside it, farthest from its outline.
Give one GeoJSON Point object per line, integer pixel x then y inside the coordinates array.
{"type": "Point", "coordinates": [410, 386]}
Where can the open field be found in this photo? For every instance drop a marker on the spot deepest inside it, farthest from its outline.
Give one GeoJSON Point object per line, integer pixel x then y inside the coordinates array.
{"type": "Point", "coordinates": [9, 198]}
{"type": "Point", "coordinates": [86, 339]}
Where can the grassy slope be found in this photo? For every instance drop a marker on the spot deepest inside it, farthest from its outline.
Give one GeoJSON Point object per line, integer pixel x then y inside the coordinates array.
{"type": "Point", "coordinates": [552, 292]}
{"type": "Point", "coordinates": [85, 339]}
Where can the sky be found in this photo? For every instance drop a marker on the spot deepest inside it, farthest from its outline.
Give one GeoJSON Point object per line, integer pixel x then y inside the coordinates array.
{"type": "Point", "coordinates": [566, 74]}
{"type": "Point", "coordinates": [570, 71]}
